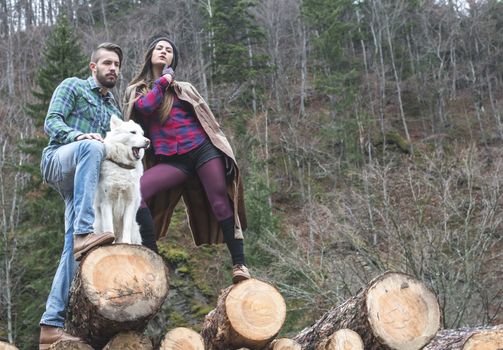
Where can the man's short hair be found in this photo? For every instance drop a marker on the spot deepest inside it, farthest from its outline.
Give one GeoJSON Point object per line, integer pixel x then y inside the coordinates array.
{"type": "Point", "coordinates": [108, 47]}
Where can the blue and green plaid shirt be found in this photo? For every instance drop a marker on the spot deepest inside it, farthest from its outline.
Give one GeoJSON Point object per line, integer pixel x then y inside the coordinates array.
{"type": "Point", "coordinates": [77, 107]}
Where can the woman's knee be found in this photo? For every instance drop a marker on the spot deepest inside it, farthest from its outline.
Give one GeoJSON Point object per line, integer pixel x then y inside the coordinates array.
{"type": "Point", "coordinates": [221, 208]}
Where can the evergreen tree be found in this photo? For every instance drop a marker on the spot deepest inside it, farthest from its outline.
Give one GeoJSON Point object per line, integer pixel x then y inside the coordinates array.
{"type": "Point", "coordinates": [62, 58]}
{"type": "Point", "coordinates": [235, 35]}
{"type": "Point", "coordinates": [42, 228]}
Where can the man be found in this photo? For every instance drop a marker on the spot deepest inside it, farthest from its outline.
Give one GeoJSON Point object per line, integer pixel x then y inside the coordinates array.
{"type": "Point", "coordinates": [77, 120]}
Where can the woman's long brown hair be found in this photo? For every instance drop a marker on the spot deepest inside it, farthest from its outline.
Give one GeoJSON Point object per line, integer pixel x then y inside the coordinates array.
{"type": "Point", "coordinates": [144, 81]}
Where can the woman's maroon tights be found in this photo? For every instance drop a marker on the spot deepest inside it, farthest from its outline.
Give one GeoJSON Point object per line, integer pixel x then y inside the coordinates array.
{"type": "Point", "coordinates": [212, 176]}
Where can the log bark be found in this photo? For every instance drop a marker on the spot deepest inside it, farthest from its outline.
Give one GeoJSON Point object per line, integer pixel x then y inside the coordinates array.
{"type": "Point", "coordinates": [117, 288]}
{"type": "Point", "coordinates": [7, 346]}
{"type": "Point", "coordinates": [249, 314]}
{"type": "Point", "coordinates": [343, 339]}
{"type": "Point", "coordinates": [182, 338]}
{"type": "Point", "coordinates": [129, 341]}
{"type": "Point", "coordinates": [479, 338]}
{"type": "Point", "coordinates": [70, 345]}
{"type": "Point", "coordinates": [394, 311]}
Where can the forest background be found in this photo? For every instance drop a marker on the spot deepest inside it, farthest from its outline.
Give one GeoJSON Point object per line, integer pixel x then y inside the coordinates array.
{"type": "Point", "coordinates": [369, 133]}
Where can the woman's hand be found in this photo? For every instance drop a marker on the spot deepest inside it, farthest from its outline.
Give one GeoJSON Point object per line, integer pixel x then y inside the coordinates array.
{"type": "Point", "coordinates": [168, 73]}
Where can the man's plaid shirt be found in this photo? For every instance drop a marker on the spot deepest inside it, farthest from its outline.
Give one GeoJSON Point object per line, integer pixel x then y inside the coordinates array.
{"type": "Point", "coordinates": [77, 107]}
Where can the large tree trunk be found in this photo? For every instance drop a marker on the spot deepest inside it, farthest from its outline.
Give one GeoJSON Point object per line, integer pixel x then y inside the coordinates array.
{"type": "Point", "coordinates": [249, 314]}
{"type": "Point", "coordinates": [129, 341]}
{"type": "Point", "coordinates": [394, 311]}
{"type": "Point", "coordinates": [481, 338]}
{"type": "Point", "coordinates": [182, 338]}
{"type": "Point", "coordinates": [118, 288]}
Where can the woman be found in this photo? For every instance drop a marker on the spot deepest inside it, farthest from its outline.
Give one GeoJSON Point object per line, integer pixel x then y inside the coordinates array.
{"type": "Point", "coordinates": [191, 158]}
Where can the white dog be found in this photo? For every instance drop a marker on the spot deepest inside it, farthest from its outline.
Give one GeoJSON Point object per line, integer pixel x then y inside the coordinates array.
{"type": "Point", "coordinates": [118, 195]}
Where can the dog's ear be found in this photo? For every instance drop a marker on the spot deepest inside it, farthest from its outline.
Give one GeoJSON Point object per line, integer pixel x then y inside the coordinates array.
{"type": "Point", "coordinates": [115, 121]}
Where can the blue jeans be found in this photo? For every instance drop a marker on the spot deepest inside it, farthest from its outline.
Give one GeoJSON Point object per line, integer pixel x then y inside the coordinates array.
{"type": "Point", "coordinates": [73, 171]}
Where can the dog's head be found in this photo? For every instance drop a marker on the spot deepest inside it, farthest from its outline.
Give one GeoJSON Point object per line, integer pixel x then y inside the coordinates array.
{"type": "Point", "coordinates": [125, 142]}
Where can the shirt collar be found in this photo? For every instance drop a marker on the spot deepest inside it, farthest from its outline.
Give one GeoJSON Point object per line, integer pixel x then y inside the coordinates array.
{"type": "Point", "coordinates": [93, 85]}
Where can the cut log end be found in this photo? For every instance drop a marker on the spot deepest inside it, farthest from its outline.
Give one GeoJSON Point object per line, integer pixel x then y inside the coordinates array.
{"type": "Point", "coordinates": [124, 282]}
{"type": "Point", "coordinates": [249, 314]}
{"type": "Point", "coordinates": [7, 346]}
{"type": "Point", "coordinates": [343, 339]}
{"type": "Point", "coordinates": [403, 313]}
{"type": "Point", "coordinates": [485, 340]}
{"type": "Point", "coordinates": [182, 338]}
{"type": "Point", "coordinates": [285, 344]}
{"type": "Point", "coordinates": [255, 310]}
{"type": "Point", "coordinates": [129, 341]}
{"type": "Point", "coordinates": [70, 345]}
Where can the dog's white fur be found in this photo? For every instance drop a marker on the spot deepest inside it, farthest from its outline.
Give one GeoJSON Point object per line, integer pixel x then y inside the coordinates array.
{"type": "Point", "coordinates": [118, 195]}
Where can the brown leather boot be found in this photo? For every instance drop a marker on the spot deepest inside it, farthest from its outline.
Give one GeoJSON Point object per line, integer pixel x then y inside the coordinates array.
{"type": "Point", "coordinates": [84, 243]}
{"type": "Point", "coordinates": [50, 335]}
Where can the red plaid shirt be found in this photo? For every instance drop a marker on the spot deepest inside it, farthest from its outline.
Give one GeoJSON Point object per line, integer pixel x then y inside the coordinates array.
{"type": "Point", "coordinates": [180, 133]}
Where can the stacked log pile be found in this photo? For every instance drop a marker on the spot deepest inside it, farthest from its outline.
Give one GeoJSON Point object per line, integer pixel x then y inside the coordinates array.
{"type": "Point", "coordinates": [120, 287]}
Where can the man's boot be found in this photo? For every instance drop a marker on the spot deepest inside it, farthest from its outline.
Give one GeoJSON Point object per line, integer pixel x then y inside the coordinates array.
{"type": "Point", "coordinates": [50, 335]}
{"type": "Point", "coordinates": [144, 219]}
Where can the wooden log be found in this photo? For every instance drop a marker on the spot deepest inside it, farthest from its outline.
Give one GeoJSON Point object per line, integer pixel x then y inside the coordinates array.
{"type": "Point", "coordinates": [394, 311]}
{"type": "Point", "coordinates": [249, 314]}
{"type": "Point", "coordinates": [182, 338]}
{"type": "Point", "coordinates": [479, 338]}
{"type": "Point", "coordinates": [70, 345]}
{"type": "Point", "coordinates": [7, 346]}
{"type": "Point", "coordinates": [283, 344]}
{"type": "Point", "coordinates": [129, 341]}
{"type": "Point", "coordinates": [343, 339]}
{"type": "Point", "coordinates": [117, 288]}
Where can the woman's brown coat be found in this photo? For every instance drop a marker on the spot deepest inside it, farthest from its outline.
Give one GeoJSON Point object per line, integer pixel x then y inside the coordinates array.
{"type": "Point", "coordinates": [204, 225]}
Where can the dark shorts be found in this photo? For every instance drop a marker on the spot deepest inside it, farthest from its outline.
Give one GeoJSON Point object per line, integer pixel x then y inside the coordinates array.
{"type": "Point", "coordinates": [192, 160]}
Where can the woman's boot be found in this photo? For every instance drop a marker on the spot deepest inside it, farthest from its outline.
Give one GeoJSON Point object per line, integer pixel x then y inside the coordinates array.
{"type": "Point", "coordinates": [144, 219]}
{"type": "Point", "coordinates": [235, 246]}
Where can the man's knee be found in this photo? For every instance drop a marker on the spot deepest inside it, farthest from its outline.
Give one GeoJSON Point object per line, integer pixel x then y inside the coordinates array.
{"type": "Point", "coordinates": [93, 147]}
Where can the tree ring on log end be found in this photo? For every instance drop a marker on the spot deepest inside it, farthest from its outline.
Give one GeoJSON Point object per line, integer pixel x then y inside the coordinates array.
{"type": "Point", "coordinates": [255, 309]}
{"type": "Point", "coordinates": [403, 312]}
{"type": "Point", "coordinates": [124, 282]}
{"type": "Point", "coordinates": [182, 338]}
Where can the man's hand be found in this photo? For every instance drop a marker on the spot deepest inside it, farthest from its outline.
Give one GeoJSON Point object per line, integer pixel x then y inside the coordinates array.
{"type": "Point", "coordinates": [93, 136]}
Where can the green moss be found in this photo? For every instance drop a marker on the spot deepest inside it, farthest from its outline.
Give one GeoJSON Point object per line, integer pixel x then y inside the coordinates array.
{"type": "Point", "coordinates": [176, 319]}
{"type": "Point", "coordinates": [201, 310]}
{"type": "Point", "coordinates": [173, 255]}
{"type": "Point", "coordinates": [183, 269]}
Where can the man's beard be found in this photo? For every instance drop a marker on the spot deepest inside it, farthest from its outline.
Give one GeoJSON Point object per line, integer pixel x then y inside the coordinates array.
{"type": "Point", "coordinates": [105, 81]}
